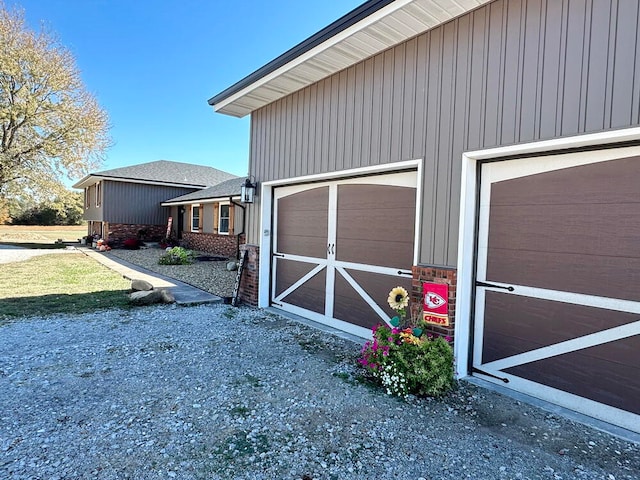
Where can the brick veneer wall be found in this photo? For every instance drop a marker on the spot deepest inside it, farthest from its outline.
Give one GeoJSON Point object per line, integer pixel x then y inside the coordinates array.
{"type": "Point", "coordinates": [249, 284]}
{"type": "Point", "coordinates": [448, 276]}
{"type": "Point", "coordinates": [223, 245]}
{"type": "Point", "coordinates": [122, 231]}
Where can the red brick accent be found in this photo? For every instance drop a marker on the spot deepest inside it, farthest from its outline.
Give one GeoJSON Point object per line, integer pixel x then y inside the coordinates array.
{"type": "Point", "coordinates": [223, 245]}
{"type": "Point", "coordinates": [423, 274]}
{"type": "Point", "coordinates": [121, 231]}
{"type": "Point", "coordinates": [249, 283]}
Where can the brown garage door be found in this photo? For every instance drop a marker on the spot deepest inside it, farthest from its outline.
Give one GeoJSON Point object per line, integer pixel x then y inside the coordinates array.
{"type": "Point", "coordinates": [558, 296]}
{"type": "Point", "coordinates": [340, 247]}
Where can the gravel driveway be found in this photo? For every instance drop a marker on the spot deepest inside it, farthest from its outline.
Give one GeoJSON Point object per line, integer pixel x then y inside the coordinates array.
{"type": "Point", "coordinates": [213, 392]}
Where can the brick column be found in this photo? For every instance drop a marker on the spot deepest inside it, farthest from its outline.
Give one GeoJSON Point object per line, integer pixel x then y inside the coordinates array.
{"type": "Point", "coordinates": [249, 284]}
{"type": "Point", "coordinates": [449, 276]}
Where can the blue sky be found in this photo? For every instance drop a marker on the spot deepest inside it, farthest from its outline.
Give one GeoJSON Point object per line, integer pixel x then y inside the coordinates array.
{"type": "Point", "coordinates": [154, 64]}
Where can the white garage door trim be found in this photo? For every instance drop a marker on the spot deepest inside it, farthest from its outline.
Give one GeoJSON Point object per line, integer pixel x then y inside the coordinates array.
{"type": "Point", "coordinates": [470, 195]}
{"type": "Point", "coordinates": [267, 203]}
{"type": "Point", "coordinates": [331, 265]}
{"type": "Point", "coordinates": [512, 169]}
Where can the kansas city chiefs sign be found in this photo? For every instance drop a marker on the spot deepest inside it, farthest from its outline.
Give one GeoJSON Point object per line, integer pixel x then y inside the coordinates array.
{"type": "Point", "coordinates": [435, 303]}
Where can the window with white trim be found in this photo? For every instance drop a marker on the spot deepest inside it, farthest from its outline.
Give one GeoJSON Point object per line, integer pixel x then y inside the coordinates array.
{"type": "Point", "coordinates": [223, 218]}
{"type": "Point", "coordinates": [195, 218]}
{"type": "Point", "coordinates": [98, 194]}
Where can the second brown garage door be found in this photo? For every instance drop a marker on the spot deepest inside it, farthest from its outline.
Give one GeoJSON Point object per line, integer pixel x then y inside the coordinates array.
{"type": "Point", "coordinates": [558, 284]}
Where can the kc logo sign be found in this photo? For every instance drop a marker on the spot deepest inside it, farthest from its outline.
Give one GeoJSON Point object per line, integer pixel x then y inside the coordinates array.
{"type": "Point", "coordinates": [435, 303]}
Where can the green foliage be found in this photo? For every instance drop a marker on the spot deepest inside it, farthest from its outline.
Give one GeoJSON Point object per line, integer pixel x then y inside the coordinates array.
{"type": "Point", "coordinates": [405, 363]}
{"type": "Point", "coordinates": [177, 256]}
{"type": "Point", "coordinates": [66, 209]}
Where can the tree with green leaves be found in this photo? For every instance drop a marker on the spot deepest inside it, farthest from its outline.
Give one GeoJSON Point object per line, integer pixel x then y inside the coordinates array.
{"type": "Point", "coordinates": [50, 125]}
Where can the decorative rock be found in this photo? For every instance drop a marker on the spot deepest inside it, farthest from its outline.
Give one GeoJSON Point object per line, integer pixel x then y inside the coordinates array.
{"type": "Point", "coordinates": [231, 266]}
{"type": "Point", "coordinates": [149, 297]}
{"type": "Point", "coordinates": [138, 285]}
{"type": "Point", "coordinates": [167, 296]}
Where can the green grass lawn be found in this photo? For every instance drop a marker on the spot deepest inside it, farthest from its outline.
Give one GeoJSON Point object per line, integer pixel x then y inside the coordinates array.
{"type": "Point", "coordinates": [59, 283]}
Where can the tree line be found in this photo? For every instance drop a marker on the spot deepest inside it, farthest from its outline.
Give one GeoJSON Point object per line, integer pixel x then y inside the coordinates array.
{"type": "Point", "coordinates": [66, 209]}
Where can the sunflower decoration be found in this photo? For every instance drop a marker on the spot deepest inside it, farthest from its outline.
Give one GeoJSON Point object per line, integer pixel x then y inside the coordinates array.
{"type": "Point", "coordinates": [398, 299]}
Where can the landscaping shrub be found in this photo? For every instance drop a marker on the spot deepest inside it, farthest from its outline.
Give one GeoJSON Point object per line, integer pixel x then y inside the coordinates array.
{"type": "Point", "coordinates": [403, 360]}
{"type": "Point", "coordinates": [177, 256]}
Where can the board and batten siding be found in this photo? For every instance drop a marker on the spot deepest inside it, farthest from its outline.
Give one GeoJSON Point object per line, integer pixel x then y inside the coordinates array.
{"type": "Point", "coordinates": [509, 72]}
{"type": "Point", "coordinates": [137, 203]}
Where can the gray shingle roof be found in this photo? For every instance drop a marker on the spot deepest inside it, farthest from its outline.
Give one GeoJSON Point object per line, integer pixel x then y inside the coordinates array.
{"type": "Point", "coordinates": [228, 188]}
{"type": "Point", "coordinates": [166, 171]}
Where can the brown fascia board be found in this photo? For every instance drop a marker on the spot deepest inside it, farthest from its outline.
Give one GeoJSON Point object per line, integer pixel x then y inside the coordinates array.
{"type": "Point", "coordinates": [344, 22]}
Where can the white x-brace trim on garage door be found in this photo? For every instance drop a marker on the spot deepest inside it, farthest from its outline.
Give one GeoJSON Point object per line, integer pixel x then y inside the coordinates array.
{"type": "Point", "coordinates": [330, 264]}
{"type": "Point", "coordinates": [267, 208]}
{"type": "Point", "coordinates": [467, 267]}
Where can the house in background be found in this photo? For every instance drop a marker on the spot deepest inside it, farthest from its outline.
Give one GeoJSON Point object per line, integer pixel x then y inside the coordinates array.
{"type": "Point", "coordinates": [492, 146]}
{"type": "Point", "coordinates": [127, 202]}
{"type": "Point", "coordinates": [211, 219]}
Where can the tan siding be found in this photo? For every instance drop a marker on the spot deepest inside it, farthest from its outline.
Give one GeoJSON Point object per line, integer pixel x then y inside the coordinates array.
{"type": "Point", "coordinates": [509, 72]}
{"type": "Point", "coordinates": [94, 213]}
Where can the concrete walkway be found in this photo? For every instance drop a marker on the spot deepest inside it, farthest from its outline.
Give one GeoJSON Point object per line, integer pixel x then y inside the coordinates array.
{"type": "Point", "coordinates": [184, 293]}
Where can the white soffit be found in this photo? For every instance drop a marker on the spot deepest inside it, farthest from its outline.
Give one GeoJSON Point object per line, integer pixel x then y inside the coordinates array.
{"type": "Point", "coordinates": [393, 24]}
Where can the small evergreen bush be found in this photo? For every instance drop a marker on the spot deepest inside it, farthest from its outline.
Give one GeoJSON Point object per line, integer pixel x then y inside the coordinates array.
{"type": "Point", "coordinates": [177, 256]}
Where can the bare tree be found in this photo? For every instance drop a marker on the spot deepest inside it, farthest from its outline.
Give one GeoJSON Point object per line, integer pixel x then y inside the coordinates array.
{"type": "Point", "coordinates": [50, 125]}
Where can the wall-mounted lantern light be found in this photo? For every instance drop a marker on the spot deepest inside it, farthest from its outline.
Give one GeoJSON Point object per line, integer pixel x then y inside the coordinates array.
{"type": "Point", "coordinates": [248, 191]}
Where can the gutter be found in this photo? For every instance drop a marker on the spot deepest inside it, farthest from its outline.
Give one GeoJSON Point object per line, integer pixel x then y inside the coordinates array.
{"type": "Point", "coordinates": [243, 226]}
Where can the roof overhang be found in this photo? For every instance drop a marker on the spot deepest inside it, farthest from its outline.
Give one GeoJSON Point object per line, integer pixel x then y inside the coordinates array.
{"type": "Point", "coordinates": [226, 198]}
{"type": "Point", "coordinates": [368, 30]}
{"type": "Point", "coordinates": [91, 179]}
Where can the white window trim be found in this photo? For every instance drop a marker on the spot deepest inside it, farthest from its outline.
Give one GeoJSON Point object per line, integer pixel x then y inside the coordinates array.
{"type": "Point", "coordinates": [98, 194]}
{"type": "Point", "coordinates": [220, 205]}
{"type": "Point", "coordinates": [194, 207]}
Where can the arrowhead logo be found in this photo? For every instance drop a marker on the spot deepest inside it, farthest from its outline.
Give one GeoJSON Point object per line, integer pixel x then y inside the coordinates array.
{"type": "Point", "coordinates": [433, 300]}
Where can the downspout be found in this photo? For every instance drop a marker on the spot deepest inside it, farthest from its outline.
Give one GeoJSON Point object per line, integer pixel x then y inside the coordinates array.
{"type": "Point", "coordinates": [243, 226]}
